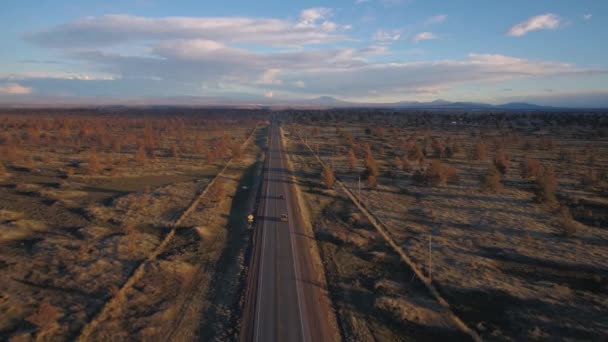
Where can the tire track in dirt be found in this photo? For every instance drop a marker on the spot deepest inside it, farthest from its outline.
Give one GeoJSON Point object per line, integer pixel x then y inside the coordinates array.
{"type": "Point", "coordinates": [116, 301]}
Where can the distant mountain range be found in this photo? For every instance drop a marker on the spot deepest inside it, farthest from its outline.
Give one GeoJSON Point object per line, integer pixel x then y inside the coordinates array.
{"type": "Point", "coordinates": [328, 101]}
{"type": "Point", "coordinates": [322, 102]}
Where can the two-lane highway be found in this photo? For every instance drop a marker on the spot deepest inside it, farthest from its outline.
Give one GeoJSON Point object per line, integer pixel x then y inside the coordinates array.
{"type": "Point", "coordinates": [283, 301]}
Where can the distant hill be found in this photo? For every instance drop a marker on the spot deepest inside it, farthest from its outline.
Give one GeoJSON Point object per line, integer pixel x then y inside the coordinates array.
{"type": "Point", "coordinates": [328, 101]}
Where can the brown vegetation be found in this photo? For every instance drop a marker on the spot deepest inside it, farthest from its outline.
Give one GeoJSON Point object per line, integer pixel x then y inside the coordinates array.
{"type": "Point", "coordinates": [546, 186]}
{"type": "Point", "coordinates": [479, 151]}
{"type": "Point", "coordinates": [71, 239]}
{"type": "Point", "coordinates": [328, 177]}
{"type": "Point", "coordinates": [491, 180]}
{"type": "Point", "coordinates": [566, 222]}
{"type": "Point", "coordinates": [489, 251]}
{"type": "Point", "coordinates": [45, 316]}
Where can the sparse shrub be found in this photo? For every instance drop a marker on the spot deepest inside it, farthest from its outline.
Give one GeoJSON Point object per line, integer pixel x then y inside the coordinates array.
{"type": "Point", "coordinates": [141, 156]}
{"type": "Point", "coordinates": [479, 151]}
{"type": "Point", "coordinates": [566, 221]}
{"type": "Point", "coordinates": [416, 154]}
{"type": "Point", "coordinates": [491, 180]}
{"type": "Point", "coordinates": [94, 165]}
{"type": "Point", "coordinates": [328, 177]}
{"type": "Point", "coordinates": [436, 174]}
{"type": "Point", "coordinates": [69, 172]}
{"type": "Point", "coordinates": [45, 316]}
{"type": "Point", "coordinates": [368, 151]}
{"type": "Point", "coordinates": [452, 175]}
{"type": "Point", "coordinates": [529, 168]}
{"type": "Point", "coordinates": [501, 160]}
{"type": "Point", "coordinates": [372, 181]}
{"type": "Point", "coordinates": [352, 159]}
{"type": "Point", "coordinates": [547, 184]}
{"type": "Point", "coordinates": [371, 167]}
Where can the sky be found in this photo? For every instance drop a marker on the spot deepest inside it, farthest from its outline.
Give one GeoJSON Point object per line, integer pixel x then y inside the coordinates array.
{"type": "Point", "coordinates": [549, 52]}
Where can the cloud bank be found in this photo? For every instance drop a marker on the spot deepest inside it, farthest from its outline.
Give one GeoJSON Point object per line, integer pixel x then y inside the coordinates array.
{"type": "Point", "coordinates": [14, 89]}
{"type": "Point", "coordinates": [540, 22]}
{"type": "Point", "coordinates": [310, 55]}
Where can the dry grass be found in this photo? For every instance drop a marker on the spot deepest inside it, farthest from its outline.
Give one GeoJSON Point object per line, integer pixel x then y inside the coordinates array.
{"type": "Point", "coordinates": [361, 271]}
{"type": "Point", "coordinates": [77, 212]}
{"type": "Point", "coordinates": [500, 258]}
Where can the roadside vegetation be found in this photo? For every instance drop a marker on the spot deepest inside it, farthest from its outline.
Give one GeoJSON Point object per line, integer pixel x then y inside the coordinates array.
{"type": "Point", "coordinates": [515, 203]}
{"type": "Point", "coordinates": [87, 196]}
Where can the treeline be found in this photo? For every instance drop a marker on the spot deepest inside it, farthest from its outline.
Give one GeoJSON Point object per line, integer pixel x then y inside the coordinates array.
{"type": "Point", "coordinates": [122, 137]}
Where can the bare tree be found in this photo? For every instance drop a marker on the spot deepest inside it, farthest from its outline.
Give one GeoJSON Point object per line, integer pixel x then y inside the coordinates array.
{"type": "Point", "coordinates": [94, 165]}
{"type": "Point", "coordinates": [491, 180]}
{"type": "Point", "coordinates": [328, 177]}
{"type": "Point", "coordinates": [501, 160]}
{"type": "Point", "coordinates": [352, 159]}
{"type": "Point", "coordinates": [141, 157]}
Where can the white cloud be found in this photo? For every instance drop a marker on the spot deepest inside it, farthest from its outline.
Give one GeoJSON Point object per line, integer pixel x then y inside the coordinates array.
{"type": "Point", "coordinates": [358, 2]}
{"type": "Point", "coordinates": [422, 36]}
{"type": "Point", "coordinates": [311, 15]}
{"type": "Point", "coordinates": [185, 56]}
{"type": "Point", "coordinates": [437, 19]}
{"type": "Point", "coordinates": [540, 22]}
{"type": "Point", "coordinates": [14, 89]}
{"type": "Point", "coordinates": [270, 77]}
{"type": "Point", "coordinates": [341, 73]}
{"type": "Point", "coordinates": [329, 26]}
{"type": "Point", "coordinates": [57, 75]}
{"type": "Point", "coordinates": [400, 79]}
{"type": "Point", "coordinates": [269, 95]}
{"type": "Point", "coordinates": [385, 36]}
{"type": "Point", "coordinates": [375, 50]}
{"type": "Point", "coordinates": [587, 16]}
{"type": "Point", "coordinates": [96, 32]}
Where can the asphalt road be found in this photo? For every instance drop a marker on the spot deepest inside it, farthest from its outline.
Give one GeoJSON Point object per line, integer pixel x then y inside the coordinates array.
{"type": "Point", "coordinates": [284, 303]}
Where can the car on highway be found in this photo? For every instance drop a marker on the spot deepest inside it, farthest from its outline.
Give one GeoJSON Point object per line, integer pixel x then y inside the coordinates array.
{"type": "Point", "coordinates": [284, 217]}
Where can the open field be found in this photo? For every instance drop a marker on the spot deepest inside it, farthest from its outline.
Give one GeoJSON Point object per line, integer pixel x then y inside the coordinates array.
{"type": "Point", "coordinates": [518, 258]}
{"type": "Point", "coordinates": [128, 224]}
{"type": "Point", "coordinates": [92, 201]}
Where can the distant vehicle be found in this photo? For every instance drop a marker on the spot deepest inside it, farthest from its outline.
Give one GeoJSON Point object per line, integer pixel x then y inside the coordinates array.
{"type": "Point", "coordinates": [281, 197]}
{"type": "Point", "coordinates": [284, 217]}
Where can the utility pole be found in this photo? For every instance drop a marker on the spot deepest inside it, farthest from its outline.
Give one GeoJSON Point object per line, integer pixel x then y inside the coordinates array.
{"type": "Point", "coordinates": [430, 258]}
{"type": "Point", "coordinates": [359, 196]}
